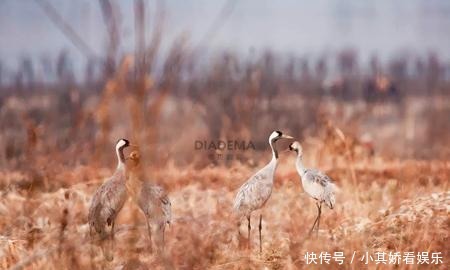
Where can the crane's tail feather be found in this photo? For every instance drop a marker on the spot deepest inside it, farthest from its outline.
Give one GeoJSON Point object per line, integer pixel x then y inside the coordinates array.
{"type": "Point", "coordinates": [330, 200]}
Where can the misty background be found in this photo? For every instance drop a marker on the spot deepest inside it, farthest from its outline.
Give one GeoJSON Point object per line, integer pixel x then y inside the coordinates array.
{"type": "Point", "coordinates": [384, 27]}
{"type": "Point", "coordinates": [360, 79]}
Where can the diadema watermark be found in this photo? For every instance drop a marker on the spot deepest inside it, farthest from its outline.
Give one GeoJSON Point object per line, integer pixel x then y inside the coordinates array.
{"type": "Point", "coordinates": [230, 145]}
{"type": "Point", "coordinates": [224, 149]}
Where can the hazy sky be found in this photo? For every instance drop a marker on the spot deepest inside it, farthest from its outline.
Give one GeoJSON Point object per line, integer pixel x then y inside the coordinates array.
{"type": "Point", "coordinates": [385, 27]}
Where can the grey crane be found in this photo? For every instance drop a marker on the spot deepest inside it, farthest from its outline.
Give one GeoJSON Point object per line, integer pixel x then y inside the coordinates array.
{"type": "Point", "coordinates": [255, 192]}
{"type": "Point", "coordinates": [315, 183]}
{"type": "Point", "coordinates": [109, 199]}
{"type": "Point", "coordinates": [153, 200]}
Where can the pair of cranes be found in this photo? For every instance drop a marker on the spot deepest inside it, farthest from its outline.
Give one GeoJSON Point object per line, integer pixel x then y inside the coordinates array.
{"type": "Point", "coordinates": [255, 192]}
{"type": "Point", "coordinates": [111, 196]}
{"type": "Point", "coordinates": [153, 201]}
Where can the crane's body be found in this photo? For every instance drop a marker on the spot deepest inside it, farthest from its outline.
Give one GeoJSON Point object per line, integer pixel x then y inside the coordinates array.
{"type": "Point", "coordinates": [255, 192]}
{"type": "Point", "coordinates": [316, 184]}
{"type": "Point", "coordinates": [155, 204]}
{"type": "Point", "coordinates": [152, 200]}
{"type": "Point", "coordinates": [109, 199]}
{"type": "Point", "coordinates": [107, 202]}
{"type": "Point", "coordinates": [319, 186]}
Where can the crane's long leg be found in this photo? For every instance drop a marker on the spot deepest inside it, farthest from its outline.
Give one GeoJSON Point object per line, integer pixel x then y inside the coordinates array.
{"type": "Point", "coordinates": [315, 221]}
{"type": "Point", "coordinates": [158, 238]}
{"type": "Point", "coordinates": [106, 247]}
{"type": "Point", "coordinates": [249, 228]}
{"type": "Point", "coordinates": [107, 243]}
{"type": "Point", "coordinates": [149, 230]}
{"type": "Point", "coordinates": [112, 229]}
{"type": "Point", "coordinates": [163, 236]}
{"type": "Point", "coordinates": [260, 237]}
{"type": "Point", "coordinates": [111, 245]}
{"type": "Point", "coordinates": [318, 220]}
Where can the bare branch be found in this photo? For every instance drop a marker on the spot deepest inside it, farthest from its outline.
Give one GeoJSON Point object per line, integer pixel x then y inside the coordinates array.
{"type": "Point", "coordinates": [225, 12]}
{"type": "Point", "coordinates": [65, 28]}
{"type": "Point", "coordinates": [156, 36]}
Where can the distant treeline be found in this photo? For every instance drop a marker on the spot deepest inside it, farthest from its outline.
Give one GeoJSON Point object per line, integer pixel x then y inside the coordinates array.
{"type": "Point", "coordinates": [341, 75]}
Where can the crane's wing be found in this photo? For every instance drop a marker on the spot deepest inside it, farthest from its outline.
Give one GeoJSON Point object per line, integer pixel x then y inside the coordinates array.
{"type": "Point", "coordinates": [255, 192]}
{"type": "Point", "coordinates": [107, 202]}
{"type": "Point", "coordinates": [156, 203]}
{"type": "Point", "coordinates": [98, 210]}
{"type": "Point", "coordinates": [320, 186]}
{"type": "Point", "coordinates": [166, 205]}
{"type": "Point", "coordinates": [319, 177]}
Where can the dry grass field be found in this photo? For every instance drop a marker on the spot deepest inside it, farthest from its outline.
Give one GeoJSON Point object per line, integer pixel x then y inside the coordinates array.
{"type": "Point", "coordinates": [384, 204]}
{"type": "Point", "coordinates": [394, 206]}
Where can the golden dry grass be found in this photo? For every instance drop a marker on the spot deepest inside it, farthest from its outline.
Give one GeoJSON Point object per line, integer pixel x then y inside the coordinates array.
{"type": "Point", "coordinates": [395, 206]}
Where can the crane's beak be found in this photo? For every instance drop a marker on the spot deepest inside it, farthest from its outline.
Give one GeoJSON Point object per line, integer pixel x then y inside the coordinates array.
{"type": "Point", "coordinates": [286, 137]}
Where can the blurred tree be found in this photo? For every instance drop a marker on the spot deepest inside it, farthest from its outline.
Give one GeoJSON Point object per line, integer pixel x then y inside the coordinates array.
{"type": "Point", "coordinates": [18, 81]}
{"type": "Point", "coordinates": [347, 62]}
{"type": "Point", "coordinates": [268, 77]}
{"type": "Point", "coordinates": [321, 68]}
{"type": "Point", "coordinates": [64, 69]}
{"type": "Point", "coordinates": [398, 68]}
{"type": "Point", "coordinates": [90, 73]}
{"type": "Point", "coordinates": [27, 70]}
{"type": "Point", "coordinates": [111, 17]}
{"type": "Point", "coordinates": [1, 74]}
{"type": "Point", "coordinates": [47, 68]}
{"type": "Point", "coordinates": [374, 65]}
{"type": "Point", "coordinates": [304, 69]}
{"type": "Point", "coordinates": [433, 73]}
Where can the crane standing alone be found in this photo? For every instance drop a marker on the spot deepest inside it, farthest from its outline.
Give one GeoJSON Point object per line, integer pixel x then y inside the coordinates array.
{"type": "Point", "coordinates": [317, 184]}
{"type": "Point", "coordinates": [254, 193]}
{"type": "Point", "coordinates": [151, 199]}
{"type": "Point", "coordinates": [109, 199]}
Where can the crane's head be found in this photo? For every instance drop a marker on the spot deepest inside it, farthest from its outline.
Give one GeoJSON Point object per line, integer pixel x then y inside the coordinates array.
{"type": "Point", "coordinates": [276, 135]}
{"type": "Point", "coordinates": [122, 143]}
{"type": "Point", "coordinates": [297, 147]}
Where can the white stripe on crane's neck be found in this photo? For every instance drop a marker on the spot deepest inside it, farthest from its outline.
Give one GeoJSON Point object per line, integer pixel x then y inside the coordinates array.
{"type": "Point", "coordinates": [299, 164]}
{"type": "Point", "coordinates": [274, 150]}
{"type": "Point", "coordinates": [120, 156]}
